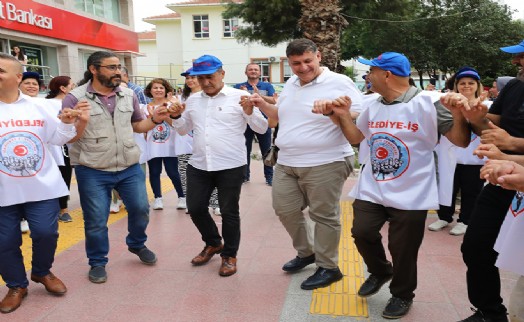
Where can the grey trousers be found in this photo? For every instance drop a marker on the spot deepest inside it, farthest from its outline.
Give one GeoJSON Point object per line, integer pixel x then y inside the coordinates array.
{"type": "Point", "coordinates": [319, 187]}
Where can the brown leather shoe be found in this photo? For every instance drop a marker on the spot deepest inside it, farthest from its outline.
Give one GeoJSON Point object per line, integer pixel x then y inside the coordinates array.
{"type": "Point", "coordinates": [229, 266]}
{"type": "Point", "coordinates": [13, 299]}
{"type": "Point", "coordinates": [206, 254]}
{"type": "Point", "coordinates": [52, 283]}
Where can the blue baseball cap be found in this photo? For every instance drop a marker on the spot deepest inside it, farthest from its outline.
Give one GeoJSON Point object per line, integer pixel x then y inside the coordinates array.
{"type": "Point", "coordinates": [467, 72]}
{"type": "Point", "coordinates": [187, 72]}
{"type": "Point", "coordinates": [206, 65]}
{"type": "Point", "coordinates": [517, 49]}
{"type": "Point", "coordinates": [34, 75]}
{"type": "Point", "coordinates": [396, 63]}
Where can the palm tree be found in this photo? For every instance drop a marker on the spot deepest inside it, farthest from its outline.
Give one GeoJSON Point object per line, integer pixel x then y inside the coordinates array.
{"type": "Point", "coordinates": [322, 22]}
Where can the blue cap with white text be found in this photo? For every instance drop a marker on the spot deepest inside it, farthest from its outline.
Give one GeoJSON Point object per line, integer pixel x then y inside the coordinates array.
{"type": "Point", "coordinates": [396, 63]}
{"type": "Point", "coordinates": [206, 65]}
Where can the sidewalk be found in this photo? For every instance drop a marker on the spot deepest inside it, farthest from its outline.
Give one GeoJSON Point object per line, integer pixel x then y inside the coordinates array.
{"type": "Point", "coordinates": [174, 290]}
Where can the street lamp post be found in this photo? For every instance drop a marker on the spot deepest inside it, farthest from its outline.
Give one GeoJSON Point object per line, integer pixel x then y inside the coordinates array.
{"type": "Point", "coordinates": [170, 71]}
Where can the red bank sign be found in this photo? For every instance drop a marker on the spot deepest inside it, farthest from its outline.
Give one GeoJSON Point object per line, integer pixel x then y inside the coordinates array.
{"type": "Point", "coordinates": [35, 18]}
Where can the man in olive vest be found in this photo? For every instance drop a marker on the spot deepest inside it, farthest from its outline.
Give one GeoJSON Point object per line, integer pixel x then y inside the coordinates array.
{"type": "Point", "coordinates": [106, 156]}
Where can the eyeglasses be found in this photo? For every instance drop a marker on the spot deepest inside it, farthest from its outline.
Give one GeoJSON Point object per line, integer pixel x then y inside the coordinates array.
{"type": "Point", "coordinates": [112, 68]}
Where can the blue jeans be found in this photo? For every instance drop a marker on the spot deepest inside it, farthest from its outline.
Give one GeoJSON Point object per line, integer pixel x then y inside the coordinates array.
{"type": "Point", "coordinates": [200, 185]}
{"type": "Point", "coordinates": [42, 217]}
{"type": "Point", "coordinates": [94, 189]}
{"type": "Point", "coordinates": [264, 141]}
{"type": "Point", "coordinates": [155, 170]}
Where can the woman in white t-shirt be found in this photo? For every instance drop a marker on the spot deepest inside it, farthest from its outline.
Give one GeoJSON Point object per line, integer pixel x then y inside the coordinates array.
{"type": "Point", "coordinates": [463, 170]}
{"type": "Point", "coordinates": [160, 143]}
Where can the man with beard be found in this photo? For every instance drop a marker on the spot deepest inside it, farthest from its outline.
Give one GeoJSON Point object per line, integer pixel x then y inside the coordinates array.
{"type": "Point", "coordinates": [106, 157]}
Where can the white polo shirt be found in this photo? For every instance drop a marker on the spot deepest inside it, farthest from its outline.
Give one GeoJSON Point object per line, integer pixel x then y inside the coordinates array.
{"type": "Point", "coordinates": [306, 139]}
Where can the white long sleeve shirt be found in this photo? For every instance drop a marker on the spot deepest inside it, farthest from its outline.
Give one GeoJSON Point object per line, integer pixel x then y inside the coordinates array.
{"type": "Point", "coordinates": [218, 125]}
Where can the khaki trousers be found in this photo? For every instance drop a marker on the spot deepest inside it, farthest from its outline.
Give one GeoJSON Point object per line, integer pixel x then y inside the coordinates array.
{"type": "Point", "coordinates": [319, 187]}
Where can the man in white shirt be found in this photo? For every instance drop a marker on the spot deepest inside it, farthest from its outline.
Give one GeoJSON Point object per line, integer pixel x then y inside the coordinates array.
{"type": "Point", "coordinates": [219, 158]}
{"type": "Point", "coordinates": [314, 161]}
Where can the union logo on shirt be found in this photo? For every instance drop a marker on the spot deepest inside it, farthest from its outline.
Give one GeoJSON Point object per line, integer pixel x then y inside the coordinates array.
{"type": "Point", "coordinates": [21, 154]}
{"type": "Point", "coordinates": [389, 156]}
{"type": "Point", "coordinates": [517, 204]}
{"type": "Point", "coordinates": [160, 133]}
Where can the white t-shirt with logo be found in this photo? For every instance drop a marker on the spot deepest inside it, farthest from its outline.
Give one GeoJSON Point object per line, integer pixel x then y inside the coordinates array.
{"type": "Point", "coordinates": [401, 168]}
{"type": "Point", "coordinates": [161, 141]}
{"type": "Point", "coordinates": [511, 238]}
{"type": "Point", "coordinates": [28, 172]}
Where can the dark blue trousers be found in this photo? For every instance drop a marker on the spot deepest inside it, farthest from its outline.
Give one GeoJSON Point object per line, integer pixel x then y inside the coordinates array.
{"type": "Point", "coordinates": [42, 217]}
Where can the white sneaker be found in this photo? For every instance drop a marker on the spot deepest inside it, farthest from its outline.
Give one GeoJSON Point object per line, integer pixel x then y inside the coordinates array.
{"type": "Point", "coordinates": [217, 211]}
{"type": "Point", "coordinates": [459, 229]}
{"type": "Point", "coordinates": [181, 203]}
{"type": "Point", "coordinates": [24, 226]}
{"type": "Point", "coordinates": [438, 225]}
{"type": "Point", "coordinates": [115, 206]}
{"type": "Point", "coordinates": [158, 204]}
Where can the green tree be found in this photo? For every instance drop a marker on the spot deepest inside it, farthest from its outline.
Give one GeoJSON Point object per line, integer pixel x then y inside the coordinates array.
{"type": "Point", "coordinates": [467, 32]}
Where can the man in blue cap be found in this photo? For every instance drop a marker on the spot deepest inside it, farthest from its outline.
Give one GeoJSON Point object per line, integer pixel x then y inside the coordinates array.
{"type": "Point", "coordinates": [501, 130]}
{"type": "Point", "coordinates": [218, 123]}
{"type": "Point", "coordinates": [399, 182]}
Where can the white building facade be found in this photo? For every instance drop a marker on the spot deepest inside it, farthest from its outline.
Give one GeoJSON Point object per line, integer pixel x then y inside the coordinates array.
{"type": "Point", "coordinates": [196, 28]}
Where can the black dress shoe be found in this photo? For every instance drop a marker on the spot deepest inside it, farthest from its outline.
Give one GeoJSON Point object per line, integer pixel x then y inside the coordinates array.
{"type": "Point", "coordinates": [373, 284]}
{"type": "Point", "coordinates": [298, 263]}
{"type": "Point", "coordinates": [396, 308]}
{"type": "Point", "coordinates": [322, 278]}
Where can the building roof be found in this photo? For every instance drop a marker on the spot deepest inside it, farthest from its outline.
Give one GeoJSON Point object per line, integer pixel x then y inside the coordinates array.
{"type": "Point", "coordinates": [173, 15]}
{"type": "Point", "coordinates": [186, 3]}
{"type": "Point", "coordinates": [147, 35]}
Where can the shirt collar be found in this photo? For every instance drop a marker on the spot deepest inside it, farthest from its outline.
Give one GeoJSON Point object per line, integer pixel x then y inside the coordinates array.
{"type": "Point", "coordinates": [319, 79]}
{"type": "Point", "coordinates": [225, 91]}
{"type": "Point", "coordinates": [403, 98]}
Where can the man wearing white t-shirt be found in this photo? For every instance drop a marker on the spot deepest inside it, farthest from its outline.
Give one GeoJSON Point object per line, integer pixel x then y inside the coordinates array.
{"type": "Point", "coordinates": [30, 183]}
{"type": "Point", "coordinates": [398, 183]}
{"type": "Point", "coordinates": [313, 162]}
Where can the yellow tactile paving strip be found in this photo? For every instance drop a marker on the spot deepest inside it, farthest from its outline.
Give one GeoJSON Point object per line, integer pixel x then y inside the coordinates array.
{"type": "Point", "coordinates": [341, 299]}
{"type": "Point", "coordinates": [73, 232]}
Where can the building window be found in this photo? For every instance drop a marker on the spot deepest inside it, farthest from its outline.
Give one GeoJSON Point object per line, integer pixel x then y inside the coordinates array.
{"type": "Point", "coordinates": [265, 71]}
{"type": "Point", "coordinates": [287, 72]}
{"type": "Point", "coordinates": [230, 26]}
{"type": "Point", "coordinates": [201, 26]}
{"type": "Point", "coordinates": [107, 9]}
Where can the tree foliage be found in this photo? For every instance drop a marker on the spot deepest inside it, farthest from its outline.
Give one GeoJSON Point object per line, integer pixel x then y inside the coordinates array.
{"type": "Point", "coordinates": [269, 22]}
{"type": "Point", "coordinates": [466, 32]}
{"type": "Point", "coordinates": [436, 35]}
